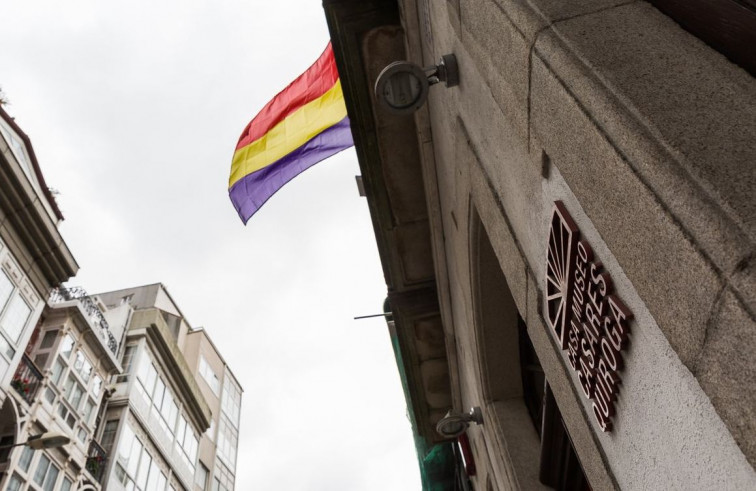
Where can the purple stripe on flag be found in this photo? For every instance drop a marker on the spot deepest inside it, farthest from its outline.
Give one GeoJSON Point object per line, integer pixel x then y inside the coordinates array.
{"type": "Point", "coordinates": [250, 192]}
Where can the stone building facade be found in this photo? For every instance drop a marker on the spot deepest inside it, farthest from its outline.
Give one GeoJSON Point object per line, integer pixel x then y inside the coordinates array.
{"type": "Point", "coordinates": [567, 237]}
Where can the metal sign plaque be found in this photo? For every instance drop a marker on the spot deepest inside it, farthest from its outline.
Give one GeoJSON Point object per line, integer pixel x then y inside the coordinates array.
{"type": "Point", "coordinates": [589, 321]}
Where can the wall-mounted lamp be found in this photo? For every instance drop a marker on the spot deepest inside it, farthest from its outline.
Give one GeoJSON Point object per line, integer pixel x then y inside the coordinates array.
{"type": "Point", "coordinates": [454, 424]}
{"type": "Point", "coordinates": [402, 87]}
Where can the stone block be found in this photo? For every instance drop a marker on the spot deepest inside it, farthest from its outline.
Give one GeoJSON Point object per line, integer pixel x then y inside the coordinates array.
{"type": "Point", "coordinates": [500, 53]}
{"type": "Point", "coordinates": [532, 16]}
{"type": "Point", "coordinates": [414, 38]}
{"type": "Point", "coordinates": [552, 11]}
{"type": "Point", "coordinates": [415, 254]}
{"type": "Point", "coordinates": [429, 339]}
{"type": "Point", "coordinates": [403, 176]}
{"type": "Point", "coordinates": [677, 282]}
{"type": "Point", "coordinates": [499, 37]}
{"type": "Point", "coordinates": [487, 139]}
{"type": "Point", "coordinates": [503, 242]}
{"type": "Point", "coordinates": [436, 389]}
{"type": "Point", "coordinates": [452, 7]}
{"type": "Point", "coordinates": [726, 371]}
{"type": "Point", "coordinates": [743, 281]}
{"type": "Point", "coordinates": [680, 114]}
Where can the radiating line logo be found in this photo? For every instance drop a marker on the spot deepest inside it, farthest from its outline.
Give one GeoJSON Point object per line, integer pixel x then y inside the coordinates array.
{"type": "Point", "coordinates": [588, 320]}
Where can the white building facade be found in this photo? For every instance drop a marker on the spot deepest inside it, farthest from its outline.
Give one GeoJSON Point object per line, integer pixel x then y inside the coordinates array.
{"type": "Point", "coordinates": [34, 260]}
{"type": "Point", "coordinates": [158, 413]}
{"type": "Point", "coordinates": [216, 468]}
{"type": "Point", "coordinates": [60, 387]}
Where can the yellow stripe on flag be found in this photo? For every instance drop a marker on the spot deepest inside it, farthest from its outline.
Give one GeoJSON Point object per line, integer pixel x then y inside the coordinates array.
{"type": "Point", "coordinates": [294, 131]}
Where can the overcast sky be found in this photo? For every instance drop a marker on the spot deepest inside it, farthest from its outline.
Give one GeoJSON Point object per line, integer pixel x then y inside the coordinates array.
{"type": "Point", "coordinates": [134, 109]}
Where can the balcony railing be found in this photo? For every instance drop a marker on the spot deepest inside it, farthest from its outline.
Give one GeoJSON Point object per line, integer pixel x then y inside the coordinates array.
{"type": "Point", "coordinates": [92, 311]}
{"type": "Point", "coordinates": [97, 460]}
{"type": "Point", "coordinates": [27, 378]}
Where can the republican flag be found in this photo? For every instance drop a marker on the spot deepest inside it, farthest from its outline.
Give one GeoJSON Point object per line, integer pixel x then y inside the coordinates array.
{"type": "Point", "coordinates": [305, 123]}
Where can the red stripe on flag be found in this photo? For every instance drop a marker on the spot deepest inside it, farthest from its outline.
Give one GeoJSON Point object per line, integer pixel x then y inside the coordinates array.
{"type": "Point", "coordinates": [313, 83]}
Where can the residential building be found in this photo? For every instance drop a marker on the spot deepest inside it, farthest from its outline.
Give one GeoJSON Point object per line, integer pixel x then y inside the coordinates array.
{"type": "Point", "coordinates": [34, 259]}
{"type": "Point", "coordinates": [147, 401]}
{"type": "Point", "coordinates": [60, 387]}
{"type": "Point", "coordinates": [107, 371]}
{"type": "Point", "coordinates": [567, 234]}
{"type": "Point", "coordinates": [158, 426]}
{"type": "Point", "coordinates": [216, 466]}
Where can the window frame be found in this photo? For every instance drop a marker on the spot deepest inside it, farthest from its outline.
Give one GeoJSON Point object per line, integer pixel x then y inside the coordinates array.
{"type": "Point", "coordinates": [209, 376]}
{"type": "Point", "coordinates": [8, 346]}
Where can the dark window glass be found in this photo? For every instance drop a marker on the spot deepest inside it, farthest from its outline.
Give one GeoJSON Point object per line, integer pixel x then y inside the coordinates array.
{"type": "Point", "coordinates": [533, 380]}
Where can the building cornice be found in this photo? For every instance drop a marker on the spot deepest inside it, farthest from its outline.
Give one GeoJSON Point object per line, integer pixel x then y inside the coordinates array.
{"type": "Point", "coordinates": [35, 164]}
{"type": "Point", "coordinates": [88, 332]}
{"type": "Point", "coordinates": [25, 224]}
{"type": "Point", "coordinates": [366, 36]}
{"type": "Point", "coordinates": [174, 363]}
{"type": "Point", "coordinates": [204, 333]}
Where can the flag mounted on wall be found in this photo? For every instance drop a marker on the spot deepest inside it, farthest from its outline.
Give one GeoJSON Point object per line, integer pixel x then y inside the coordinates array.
{"type": "Point", "coordinates": [305, 123]}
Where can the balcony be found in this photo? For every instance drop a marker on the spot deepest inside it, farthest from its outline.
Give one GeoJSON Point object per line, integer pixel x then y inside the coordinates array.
{"type": "Point", "coordinates": [92, 312]}
{"type": "Point", "coordinates": [97, 461]}
{"type": "Point", "coordinates": [27, 379]}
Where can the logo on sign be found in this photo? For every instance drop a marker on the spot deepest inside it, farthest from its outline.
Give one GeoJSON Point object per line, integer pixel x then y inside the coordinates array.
{"type": "Point", "coordinates": [589, 321]}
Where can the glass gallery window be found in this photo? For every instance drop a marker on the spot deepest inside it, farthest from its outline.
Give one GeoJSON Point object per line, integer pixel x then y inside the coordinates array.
{"type": "Point", "coordinates": [74, 390]}
{"type": "Point", "coordinates": [135, 468]}
{"type": "Point", "coordinates": [45, 348]}
{"type": "Point", "coordinates": [18, 148]}
{"type": "Point", "coordinates": [14, 315]}
{"type": "Point", "coordinates": [46, 473]}
{"type": "Point", "coordinates": [231, 402]}
{"type": "Point", "coordinates": [153, 389]}
{"type": "Point", "coordinates": [126, 362]}
{"type": "Point", "coordinates": [228, 437]}
{"type": "Point", "coordinates": [186, 442]}
{"type": "Point", "coordinates": [209, 376]}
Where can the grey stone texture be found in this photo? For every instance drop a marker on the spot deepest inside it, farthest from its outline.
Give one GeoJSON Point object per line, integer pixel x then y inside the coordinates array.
{"type": "Point", "coordinates": [726, 369]}
{"type": "Point", "coordinates": [502, 60]}
{"type": "Point", "coordinates": [656, 136]}
{"type": "Point", "coordinates": [655, 98]}
{"type": "Point", "coordinates": [743, 281]}
{"type": "Point", "coordinates": [429, 339]}
{"type": "Point", "coordinates": [664, 420]}
{"type": "Point", "coordinates": [651, 247]}
{"type": "Point", "coordinates": [650, 137]}
{"type": "Point", "coordinates": [435, 376]}
{"type": "Point", "coordinates": [653, 132]}
{"type": "Point", "coordinates": [416, 263]}
{"type": "Point", "coordinates": [698, 107]}
{"type": "Point", "coordinates": [510, 259]}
